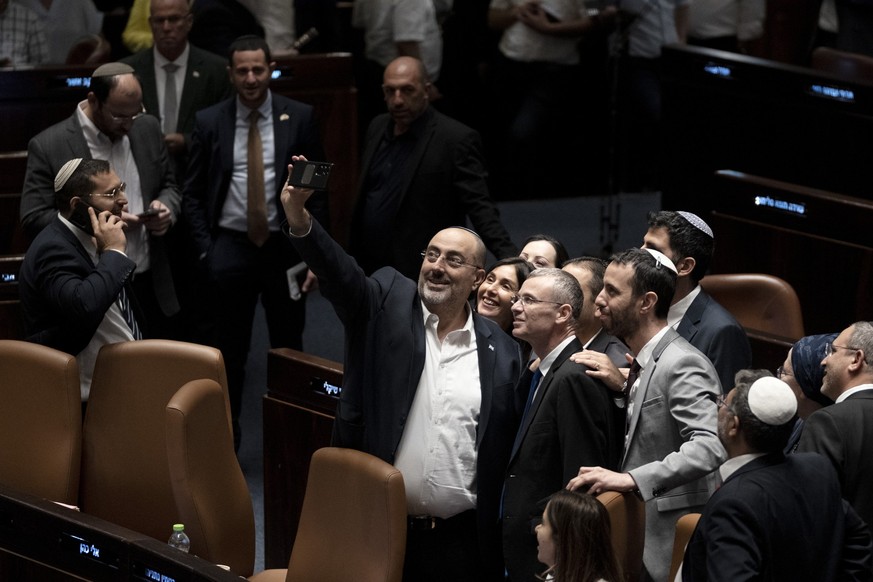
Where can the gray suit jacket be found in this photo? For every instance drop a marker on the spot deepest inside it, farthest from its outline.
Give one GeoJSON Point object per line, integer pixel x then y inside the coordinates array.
{"type": "Point", "coordinates": [58, 144]}
{"type": "Point", "coordinates": [672, 448]}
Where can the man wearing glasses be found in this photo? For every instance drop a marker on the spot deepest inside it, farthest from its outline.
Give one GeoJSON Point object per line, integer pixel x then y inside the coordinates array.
{"type": "Point", "coordinates": [428, 386]}
{"type": "Point", "coordinates": [569, 419]}
{"type": "Point", "coordinates": [843, 432]}
{"type": "Point", "coordinates": [109, 124]}
{"type": "Point", "coordinates": [75, 276]}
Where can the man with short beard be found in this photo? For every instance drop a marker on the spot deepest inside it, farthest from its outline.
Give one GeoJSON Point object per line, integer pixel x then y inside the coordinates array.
{"type": "Point", "coordinates": [428, 385]}
{"type": "Point", "coordinates": [671, 447]}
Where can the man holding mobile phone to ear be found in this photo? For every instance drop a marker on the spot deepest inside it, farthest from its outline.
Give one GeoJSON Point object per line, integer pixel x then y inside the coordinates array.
{"type": "Point", "coordinates": [74, 286]}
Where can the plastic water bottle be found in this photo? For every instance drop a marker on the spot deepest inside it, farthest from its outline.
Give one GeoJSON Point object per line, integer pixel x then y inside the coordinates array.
{"type": "Point", "coordinates": [179, 539]}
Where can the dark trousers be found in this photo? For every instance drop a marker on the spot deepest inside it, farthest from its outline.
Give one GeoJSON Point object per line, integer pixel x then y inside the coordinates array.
{"type": "Point", "coordinates": [149, 315]}
{"type": "Point", "coordinates": [239, 272]}
{"type": "Point", "coordinates": [449, 551]}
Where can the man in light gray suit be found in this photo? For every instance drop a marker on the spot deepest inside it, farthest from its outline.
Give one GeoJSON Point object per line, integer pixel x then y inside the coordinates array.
{"type": "Point", "coordinates": [109, 124]}
{"type": "Point", "coordinates": [671, 445]}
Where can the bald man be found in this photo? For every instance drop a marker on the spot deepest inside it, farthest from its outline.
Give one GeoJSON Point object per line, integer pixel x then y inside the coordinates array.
{"type": "Point", "coordinates": [428, 386]}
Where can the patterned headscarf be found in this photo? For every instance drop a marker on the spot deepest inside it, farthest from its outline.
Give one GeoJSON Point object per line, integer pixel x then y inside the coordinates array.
{"type": "Point", "coordinates": [806, 357]}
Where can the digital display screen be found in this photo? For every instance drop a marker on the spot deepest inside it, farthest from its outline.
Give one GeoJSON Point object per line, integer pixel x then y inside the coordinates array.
{"type": "Point", "coordinates": [8, 277]}
{"type": "Point", "coordinates": [835, 93]}
{"type": "Point", "coordinates": [797, 208]}
{"type": "Point", "coordinates": [717, 70]}
{"type": "Point", "coordinates": [323, 387]}
{"type": "Point", "coordinates": [89, 550]}
{"type": "Point", "coordinates": [143, 572]}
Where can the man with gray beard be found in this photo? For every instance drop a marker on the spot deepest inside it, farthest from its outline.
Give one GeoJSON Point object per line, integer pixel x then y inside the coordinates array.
{"type": "Point", "coordinates": [428, 386]}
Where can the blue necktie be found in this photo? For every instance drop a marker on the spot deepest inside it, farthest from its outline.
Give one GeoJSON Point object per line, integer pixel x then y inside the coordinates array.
{"type": "Point", "coordinates": [127, 313]}
{"type": "Point", "coordinates": [534, 382]}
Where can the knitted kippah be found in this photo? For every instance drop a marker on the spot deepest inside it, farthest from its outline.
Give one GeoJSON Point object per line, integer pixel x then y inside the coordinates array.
{"type": "Point", "coordinates": [697, 222]}
{"type": "Point", "coordinates": [65, 172]}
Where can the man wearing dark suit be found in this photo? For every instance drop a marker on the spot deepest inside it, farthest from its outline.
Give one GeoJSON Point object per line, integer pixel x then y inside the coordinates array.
{"type": "Point", "coordinates": [72, 277]}
{"type": "Point", "coordinates": [589, 271]}
{"type": "Point", "coordinates": [109, 125]}
{"type": "Point", "coordinates": [421, 172]}
{"type": "Point", "coordinates": [199, 78]}
{"type": "Point", "coordinates": [178, 80]}
{"type": "Point", "coordinates": [671, 447]}
{"type": "Point", "coordinates": [234, 212]}
{"type": "Point", "coordinates": [688, 241]}
{"type": "Point", "coordinates": [843, 432]}
{"type": "Point", "coordinates": [774, 517]}
{"type": "Point", "coordinates": [570, 420]}
{"type": "Point", "coordinates": [429, 386]}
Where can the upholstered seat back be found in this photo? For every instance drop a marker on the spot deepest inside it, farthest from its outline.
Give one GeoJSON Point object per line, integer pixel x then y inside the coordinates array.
{"type": "Point", "coordinates": [685, 526]}
{"type": "Point", "coordinates": [759, 302]}
{"type": "Point", "coordinates": [125, 475]}
{"type": "Point", "coordinates": [353, 522]}
{"type": "Point", "coordinates": [627, 521]}
{"type": "Point", "coordinates": [40, 421]}
{"type": "Point", "coordinates": [209, 487]}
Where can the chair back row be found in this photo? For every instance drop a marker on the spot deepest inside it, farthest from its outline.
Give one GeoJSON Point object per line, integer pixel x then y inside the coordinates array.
{"type": "Point", "coordinates": [156, 446]}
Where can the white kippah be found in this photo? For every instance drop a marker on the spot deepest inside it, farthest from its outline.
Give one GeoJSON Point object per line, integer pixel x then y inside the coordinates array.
{"type": "Point", "coordinates": [65, 172]}
{"type": "Point", "coordinates": [696, 222]}
{"type": "Point", "coordinates": [662, 259]}
{"type": "Point", "coordinates": [772, 401]}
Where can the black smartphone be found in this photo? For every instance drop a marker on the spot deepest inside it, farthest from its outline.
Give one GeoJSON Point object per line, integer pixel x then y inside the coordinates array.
{"type": "Point", "coordinates": [80, 217]}
{"type": "Point", "coordinates": [312, 175]}
{"type": "Point", "coordinates": [149, 212]}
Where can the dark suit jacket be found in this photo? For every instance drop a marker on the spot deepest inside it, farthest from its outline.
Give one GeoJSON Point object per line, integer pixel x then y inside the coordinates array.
{"type": "Point", "coordinates": [206, 83]}
{"type": "Point", "coordinates": [844, 434]}
{"type": "Point", "coordinates": [572, 422]}
{"type": "Point", "coordinates": [779, 518]}
{"type": "Point", "coordinates": [64, 296]}
{"type": "Point", "coordinates": [612, 347]}
{"type": "Point", "coordinates": [385, 352]}
{"type": "Point", "coordinates": [60, 143]}
{"type": "Point", "coordinates": [711, 329]}
{"type": "Point", "coordinates": [211, 164]}
{"type": "Point", "coordinates": [444, 183]}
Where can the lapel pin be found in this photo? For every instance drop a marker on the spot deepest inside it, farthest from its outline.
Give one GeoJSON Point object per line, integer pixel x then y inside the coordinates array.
{"type": "Point", "coordinates": [195, 74]}
{"type": "Point", "coordinates": [284, 117]}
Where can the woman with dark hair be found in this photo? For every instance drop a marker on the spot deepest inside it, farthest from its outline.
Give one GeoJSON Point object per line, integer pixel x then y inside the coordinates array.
{"type": "Point", "coordinates": [542, 250]}
{"type": "Point", "coordinates": [501, 285]}
{"type": "Point", "coordinates": [574, 540]}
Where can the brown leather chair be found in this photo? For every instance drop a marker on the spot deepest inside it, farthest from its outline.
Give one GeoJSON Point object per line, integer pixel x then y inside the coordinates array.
{"type": "Point", "coordinates": [848, 66]}
{"type": "Point", "coordinates": [353, 523]}
{"type": "Point", "coordinates": [210, 490]}
{"type": "Point", "coordinates": [685, 526]}
{"type": "Point", "coordinates": [92, 49]}
{"type": "Point", "coordinates": [627, 521]}
{"type": "Point", "coordinates": [759, 302]}
{"type": "Point", "coordinates": [41, 422]}
{"type": "Point", "coordinates": [125, 473]}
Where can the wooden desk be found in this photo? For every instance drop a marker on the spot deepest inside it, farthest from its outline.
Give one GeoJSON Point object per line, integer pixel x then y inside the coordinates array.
{"type": "Point", "coordinates": [298, 419]}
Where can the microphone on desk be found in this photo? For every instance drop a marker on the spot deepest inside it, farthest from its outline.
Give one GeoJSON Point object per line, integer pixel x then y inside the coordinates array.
{"type": "Point", "coordinates": [305, 38]}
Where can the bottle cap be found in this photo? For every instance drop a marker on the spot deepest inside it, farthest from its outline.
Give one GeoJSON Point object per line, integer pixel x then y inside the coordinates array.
{"type": "Point", "coordinates": [178, 526]}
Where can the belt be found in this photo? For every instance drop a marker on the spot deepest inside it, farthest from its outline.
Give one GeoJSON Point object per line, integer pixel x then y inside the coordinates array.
{"type": "Point", "coordinates": [420, 523]}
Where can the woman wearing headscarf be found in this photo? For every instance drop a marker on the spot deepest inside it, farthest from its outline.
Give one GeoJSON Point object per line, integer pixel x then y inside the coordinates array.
{"type": "Point", "coordinates": [802, 370]}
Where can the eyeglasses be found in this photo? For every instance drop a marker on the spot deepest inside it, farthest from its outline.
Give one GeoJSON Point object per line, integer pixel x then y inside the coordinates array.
{"type": "Point", "coordinates": [831, 347]}
{"type": "Point", "coordinates": [124, 118]}
{"type": "Point", "coordinates": [721, 402]}
{"type": "Point", "coordinates": [112, 193]}
{"type": "Point", "coordinates": [780, 371]}
{"type": "Point", "coordinates": [527, 301]}
{"type": "Point", "coordinates": [453, 262]}
{"type": "Point", "coordinates": [173, 20]}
